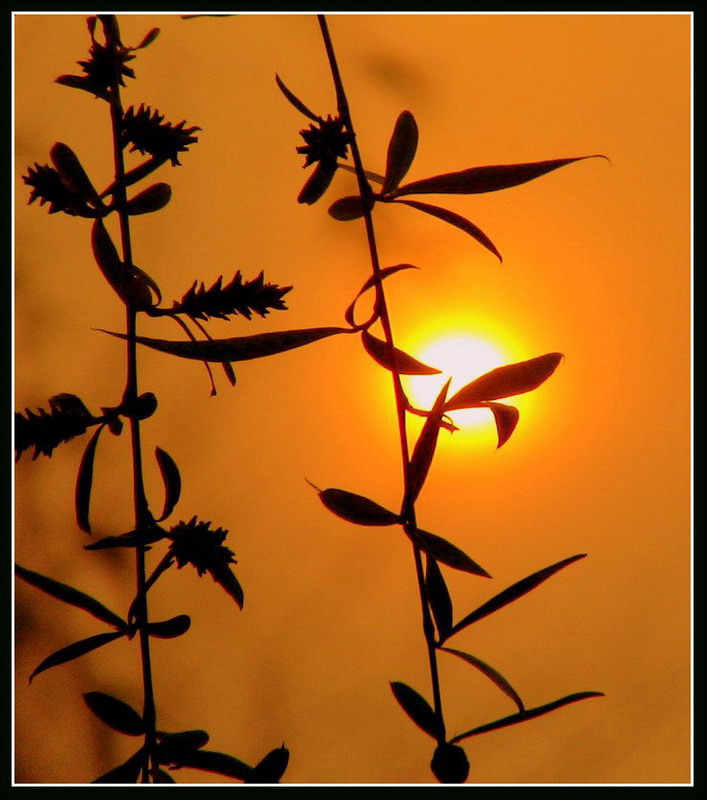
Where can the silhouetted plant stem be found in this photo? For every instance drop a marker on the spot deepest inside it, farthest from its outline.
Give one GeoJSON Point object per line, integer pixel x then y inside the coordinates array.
{"type": "Point", "coordinates": [408, 505]}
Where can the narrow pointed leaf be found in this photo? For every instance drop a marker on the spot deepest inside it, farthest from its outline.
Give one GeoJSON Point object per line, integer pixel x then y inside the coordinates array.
{"type": "Point", "coordinates": [115, 713]}
{"type": "Point", "coordinates": [529, 713]}
{"type": "Point", "coordinates": [425, 446]}
{"type": "Point", "coordinates": [74, 597]}
{"type": "Point", "coordinates": [369, 284]}
{"type": "Point", "coordinates": [130, 539]}
{"type": "Point", "coordinates": [513, 592]}
{"type": "Point", "coordinates": [442, 550]}
{"type": "Point", "coordinates": [220, 763]}
{"type": "Point", "coordinates": [271, 768]}
{"type": "Point", "coordinates": [130, 286]}
{"type": "Point", "coordinates": [84, 482]}
{"type": "Point", "coordinates": [296, 102]}
{"type": "Point", "coordinates": [151, 199]}
{"type": "Point", "coordinates": [171, 479]}
{"type": "Point", "coordinates": [147, 39]}
{"type": "Point", "coordinates": [506, 381]}
{"type": "Point", "coordinates": [239, 348]}
{"type": "Point", "coordinates": [75, 650]}
{"type": "Point", "coordinates": [394, 359]}
{"type": "Point", "coordinates": [356, 508]}
{"type": "Point", "coordinates": [486, 179]}
{"type": "Point", "coordinates": [490, 673]}
{"type": "Point", "coordinates": [84, 82]}
{"type": "Point", "coordinates": [417, 708]}
{"type": "Point", "coordinates": [67, 164]}
{"type": "Point", "coordinates": [401, 151]}
{"type": "Point", "coordinates": [506, 419]}
{"type": "Point", "coordinates": [228, 581]}
{"type": "Point", "coordinates": [439, 598]}
{"type": "Point", "coordinates": [170, 628]}
{"type": "Point", "coordinates": [457, 220]}
{"type": "Point", "coordinates": [348, 208]}
{"type": "Point", "coordinates": [372, 176]}
{"type": "Point", "coordinates": [129, 772]}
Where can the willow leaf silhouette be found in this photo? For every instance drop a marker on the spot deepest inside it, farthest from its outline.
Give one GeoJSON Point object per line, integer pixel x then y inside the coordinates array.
{"type": "Point", "coordinates": [171, 745]}
{"type": "Point", "coordinates": [512, 593]}
{"type": "Point", "coordinates": [130, 286]}
{"type": "Point", "coordinates": [84, 482]}
{"type": "Point", "coordinates": [506, 419]}
{"type": "Point", "coordinates": [506, 381]}
{"type": "Point", "coordinates": [74, 597]}
{"type": "Point", "coordinates": [239, 348]}
{"type": "Point", "coordinates": [170, 628]}
{"type": "Point", "coordinates": [76, 650]}
{"type": "Point", "coordinates": [115, 713]}
{"type": "Point", "coordinates": [212, 761]}
{"type": "Point", "coordinates": [454, 219]}
{"type": "Point", "coordinates": [296, 102]}
{"type": "Point", "coordinates": [129, 772]}
{"type": "Point", "coordinates": [151, 199]}
{"type": "Point", "coordinates": [355, 508]}
{"type": "Point", "coordinates": [72, 173]}
{"type": "Point", "coordinates": [425, 446]}
{"type": "Point", "coordinates": [401, 151]}
{"type": "Point", "coordinates": [372, 176]}
{"type": "Point", "coordinates": [490, 673]}
{"type": "Point", "coordinates": [528, 713]}
{"type": "Point", "coordinates": [417, 708]}
{"type": "Point", "coordinates": [438, 597]}
{"type": "Point", "coordinates": [393, 358]}
{"type": "Point", "coordinates": [271, 767]}
{"type": "Point", "coordinates": [137, 538]}
{"type": "Point", "coordinates": [171, 479]}
{"type": "Point", "coordinates": [349, 208]}
{"type": "Point", "coordinates": [442, 550]}
{"type": "Point", "coordinates": [384, 273]}
{"type": "Point", "coordinates": [485, 179]}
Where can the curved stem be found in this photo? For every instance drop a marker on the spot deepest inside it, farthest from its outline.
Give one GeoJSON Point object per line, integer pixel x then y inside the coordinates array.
{"type": "Point", "coordinates": [408, 507]}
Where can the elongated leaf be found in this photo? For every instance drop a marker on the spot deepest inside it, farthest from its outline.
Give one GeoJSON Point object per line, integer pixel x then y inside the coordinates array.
{"type": "Point", "coordinates": [417, 708]}
{"type": "Point", "coordinates": [317, 183]}
{"type": "Point", "coordinates": [506, 418]}
{"type": "Point", "coordinates": [296, 102]}
{"type": "Point", "coordinates": [151, 199]}
{"type": "Point", "coordinates": [170, 628]}
{"type": "Point", "coordinates": [425, 446]}
{"type": "Point", "coordinates": [506, 381]}
{"type": "Point", "coordinates": [369, 284]}
{"type": "Point", "coordinates": [84, 482]}
{"type": "Point", "coordinates": [211, 761]}
{"type": "Point", "coordinates": [131, 287]}
{"type": "Point", "coordinates": [74, 597]}
{"type": "Point", "coordinates": [394, 359]}
{"type": "Point", "coordinates": [130, 539]}
{"type": "Point", "coordinates": [67, 164]}
{"type": "Point", "coordinates": [239, 348]}
{"type": "Point", "coordinates": [372, 176]}
{"type": "Point", "coordinates": [486, 179]}
{"type": "Point", "coordinates": [356, 508]}
{"type": "Point", "coordinates": [84, 82]}
{"type": "Point", "coordinates": [348, 208]}
{"type": "Point", "coordinates": [442, 550]}
{"type": "Point", "coordinates": [228, 581]}
{"type": "Point", "coordinates": [271, 768]}
{"type": "Point", "coordinates": [529, 713]}
{"type": "Point", "coordinates": [401, 151]}
{"type": "Point", "coordinates": [115, 713]}
{"type": "Point", "coordinates": [147, 39]}
{"type": "Point", "coordinates": [75, 650]}
{"type": "Point", "coordinates": [129, 772]}
{"type": "Point", "coordinates": [457, 220]}
{"type": "Point", "coordinates": [171, 479]}
{"type": "Point", "coordinates": [513, 593]}
{"type": "Point", "coordinates": [183, 740]}
{"type": "Point", "coordinates": [439, 598]}
{"type": "Point", "coordinates": [490, 673]}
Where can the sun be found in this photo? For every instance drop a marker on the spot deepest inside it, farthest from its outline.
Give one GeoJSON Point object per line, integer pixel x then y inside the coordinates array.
{"type": "Point", "coordinates": [461, 358]}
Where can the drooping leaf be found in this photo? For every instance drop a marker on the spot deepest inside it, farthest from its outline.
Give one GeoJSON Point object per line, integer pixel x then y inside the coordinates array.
{"type": "Point", "coordinates": [512, 593]}
{"type": "Point", "coordinates": [369, 284]}
{"type": "Point", "coordinates": [506, 419]}
{"type": "Point", "coordinates": [529, 713]}
{"type": "Point", "coordinates": [394, 359]}
{"type": "Point", "coordinates": [170, 628]}
{"type": "Point", "coordinates": [115, 713]}
{"type": "Point", "coordinates": [74, 597]}
{"type": "Point", "coordinates": [75, 650]}
{"type": "Point", "coordinates": [457, 220]}
{"type": "Point", "coordinates": [129, 772]}
{"type": "Point", "coordinates": [372, 176]}
{"type": "Point", "coordinates": [171, 479]}
{"type": "Point", "coordinates": [317, 183]}
{"type": "Point", "coordinates": [220, 763]}
{"type": "Point", "coordinates": [270, 768]}
{"type": "Point", "coordinates": [442, 550]}
{"type": "Point", "coordinates": [506, 381]}
{"type": "Point", "coordinates": [490, 673]}
{"type": "Point", "coordinates": [485, 179]}
{"type": "Point", "coordinates": [84, 482]}
{"type": "Point", "coordinates": [225, 578]}
{"type": "Point", "coordinates": [348, 208]}
{"type": "Point", "coordinates": [424, 451]}
{"type": "Point", "coordinates": [401, 151]}
{"type": "Point", "coordinates": [130, 286]}
{"type": "Point", "coordinates": [151, 199]}
{"type": "Point", "coordinates": [439, 598]}
{"type": "Point", "coordinates": [450, 764]}
{"type": "Point", "coordinates": [296, 102]}
{"type": "Point", "coordinates": [67, 164]}
{"type": "Point", "coordinates": [136, 538]}
{"type": "Point", "coordinates": [239, 348]}
{"type": "Point", "coordinates": [417, 708]}
{"type": "Point", "coordinates": [356, 508]}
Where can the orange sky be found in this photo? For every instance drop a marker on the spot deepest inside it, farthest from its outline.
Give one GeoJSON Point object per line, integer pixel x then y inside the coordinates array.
{"type": "Point", "coordinates": [596, 266]}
